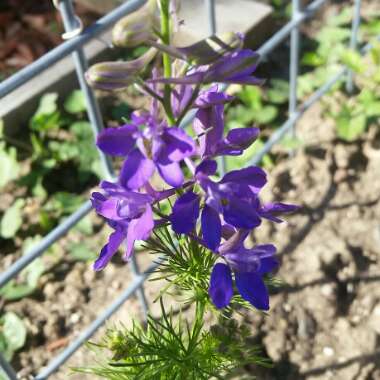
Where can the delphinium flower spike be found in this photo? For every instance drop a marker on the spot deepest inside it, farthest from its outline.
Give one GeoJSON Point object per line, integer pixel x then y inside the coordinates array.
{"type": "Point", "coordinates": [236, 67]}
{"type": "Point", "coordinates": [170, 193]}
{"type": "Point", "coordinates": [205, 206]}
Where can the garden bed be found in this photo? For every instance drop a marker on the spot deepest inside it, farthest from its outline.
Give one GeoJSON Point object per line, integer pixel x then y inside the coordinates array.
{"type": "Point", "coordinates": [324, 322]}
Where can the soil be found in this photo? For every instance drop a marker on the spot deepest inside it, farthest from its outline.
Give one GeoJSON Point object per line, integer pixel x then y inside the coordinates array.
{"type": "Point", "coordinates": [325, 322]}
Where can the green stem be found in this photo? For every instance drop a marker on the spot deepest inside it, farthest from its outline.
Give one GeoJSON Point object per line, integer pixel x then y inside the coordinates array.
{"type": "Point", "coordinates": [165, 35]}
{"type": "Point", "coordinates": [200, 311]}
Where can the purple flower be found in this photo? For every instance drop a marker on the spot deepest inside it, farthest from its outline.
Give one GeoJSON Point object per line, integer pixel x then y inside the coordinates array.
{"type": "Point", "coordinates": [271, 211]}
{"type": "Point", "coordinates": [206, 51]}
{"type": "Point", "coordinates": [236, 67]}
{"type": "Point", "coordinates": [155, 146]}
{"type": "Point", "coordinates": [234, 200]}
{"type": "Point", "coordinates": [209, 126]}
{"type": "Point", "coordinates": [249, 266]}
{"type": "Point", "coordinates": [185, 213]}
{"type": "Point", "coordinates": [110, 76]}
{"type": "Point", "coordinates": [182, 95]}
{"type": "Point", "coordinates": [231, 197]}
{"type": "Point", "coordinates": [128, 213]}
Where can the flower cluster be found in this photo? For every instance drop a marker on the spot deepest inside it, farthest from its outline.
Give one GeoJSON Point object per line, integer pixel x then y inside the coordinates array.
{"type": "Point", "coordinates": [162, 159]}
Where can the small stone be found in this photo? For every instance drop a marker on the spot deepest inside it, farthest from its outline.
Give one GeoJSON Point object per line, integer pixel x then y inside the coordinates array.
{"type": "Point", "coordinates": [306, 325]}
{"type": "Point", "coordinates": [287, 307]}
{"type": "Point", "coordinates": [355, 319]}
{"type": "Point", "coordinates": [283, 324]}
{"type": "Point", "coordinates": [51, 289]}
{"type": "Point", "coordinates": [342, 156]}
{"type": "Point", "coordinates": [374, 319]}
{"type": "Point", "coordinates": [340, 175]}
{"type": "Point", "coordinates": [74, 318]}
{"type": "Point", "coordinates": [116, 285]}
{"type": "Point", "coordinates": [327, 290]}
{"type": "Point", "coordinates": [89, 276]}
{"type": "Point", "coordinates": [275, 343]}
{"type": "Point", "coordinates": [328, 351]}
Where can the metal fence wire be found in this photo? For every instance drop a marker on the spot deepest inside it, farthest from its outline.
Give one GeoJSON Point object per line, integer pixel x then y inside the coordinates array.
{"type": "Point", "coordinates": [75, 46]}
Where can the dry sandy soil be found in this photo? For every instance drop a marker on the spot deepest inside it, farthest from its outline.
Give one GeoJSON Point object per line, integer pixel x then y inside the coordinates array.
{"type": "Point", "coordinates": [325, 324]}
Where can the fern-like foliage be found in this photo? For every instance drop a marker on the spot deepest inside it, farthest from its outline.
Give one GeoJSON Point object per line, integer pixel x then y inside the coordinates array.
{"type": "Point", "coordinates": [172, 348]}
{"type": "Point", "coordinates": [186, 264]}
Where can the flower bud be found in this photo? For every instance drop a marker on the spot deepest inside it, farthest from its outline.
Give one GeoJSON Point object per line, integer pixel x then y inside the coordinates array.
{"type": "Point", "coordinates": [137, 27]}
{"type": "Point", "coordinates": [212, 48]}
{"type": "Point", "coordinates": [111, 76]}
{"type": "Point", "coordinates": [205, 51]}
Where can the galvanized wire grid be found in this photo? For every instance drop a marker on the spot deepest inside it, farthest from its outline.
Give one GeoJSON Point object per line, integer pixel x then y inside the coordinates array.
{"type": "Point", "coordinates": [75, 46]}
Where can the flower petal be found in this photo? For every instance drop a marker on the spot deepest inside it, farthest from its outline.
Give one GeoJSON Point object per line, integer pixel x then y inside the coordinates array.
{"type": "Point", "coordinates": [209, 124]}
{"type": "Point", "coordinates": [114, 242]}
{"type": "Point", "coordinates": [211, 227]}
{"type": "Point", "coordinates": [246, 80]}
{"type": "Point", "coordinates": [257, 259]}
{"type": "Point", "coordinates": [209, 98]}
{"type": "Point", "coordinates": [252, 288]}
{"type": "Point", "coordinates": [139, 229]}
{"type": "Point", "coordinates": [242, 138]}
{"type": "Point", "coordinates": [178, 144]}
{"type": "Point", "coordinates": [264, 250]}
{"type": "Point", "coordinates": [252, 176]}
{"type": "Point", "coordinates": [227, 231]}
{"type": "Point", "coordinates": [109, 209]}
{"type": "Point", "coordinates": [240, 214]}
{"type": "Point", "coordinates": [271, 210]}
{"type": "Point", "coordinates": [185, 213]}
{"type": "Point", "coordinates": [206, 167]}
{"type": "Point", "coordinates": [116, 141]}
{"type": "Point", "coordinates": [193, 78]}
{"type": "Point", "coordinates": [136, 170]}
{"type": "Point", "coordinates": [97, 199]}
{"type": "Point", "coordinates": [267, 265]}
{"type": "Point", "coordinates": [171, 173]}
{"type": "Point", "coordinates": [221, 288]}
{"type": "Point", "coordinates": [181, 95]}
{"type": "Point", "coordinates": [236, 65]}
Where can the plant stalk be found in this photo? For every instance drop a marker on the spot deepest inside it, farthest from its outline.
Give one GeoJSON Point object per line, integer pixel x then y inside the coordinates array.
{"type": "Point", "coordinates": [165, 35]}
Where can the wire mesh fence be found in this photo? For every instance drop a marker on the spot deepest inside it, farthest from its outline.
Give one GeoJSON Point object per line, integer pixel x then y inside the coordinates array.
{"type": "Point", "coordinates": [74, 45]}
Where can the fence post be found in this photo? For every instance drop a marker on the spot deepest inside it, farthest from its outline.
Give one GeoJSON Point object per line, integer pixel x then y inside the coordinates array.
{"type": "Point", "coordinates": [6, 369]}
{"type": "Point", "coordinates": [353, 42]}
{"type": "Point", "coordinates": [211, 16]}
{"type": "Point", "coordinates": [58, 53]}
{"type": "Point", "coordinates": [294, 64]}
{"type": "Point", "coordinates": [70, 21]}
{"type": "Point", "coordinates": [140, 291]}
